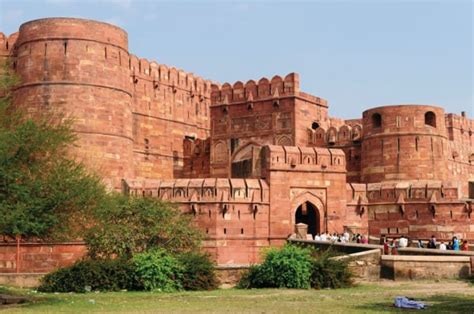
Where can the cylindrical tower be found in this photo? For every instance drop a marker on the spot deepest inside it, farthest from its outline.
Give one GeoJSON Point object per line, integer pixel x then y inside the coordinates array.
{"type": "Point", "coordinates": [403, 142]}
{"type": "Point", "coordinates": [80, 69]}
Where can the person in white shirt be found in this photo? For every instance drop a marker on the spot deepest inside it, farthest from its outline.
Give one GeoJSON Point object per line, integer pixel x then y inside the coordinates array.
{"type": "Point", "coordinates": [323, 237]}
{"type": "Point", "coordinates": [346, 236]}
{"type": "Point", "coordinates": [403, 242]}
{"type": "Point", "coordinates": [317, 237]}
{"type": "Point", "coordinates": [442, 246]}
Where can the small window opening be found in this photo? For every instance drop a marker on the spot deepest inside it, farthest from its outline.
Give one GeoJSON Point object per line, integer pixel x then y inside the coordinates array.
{"type": "Point", "coordinates": [241, 230]}
{"type": "Point", "coordinates": [430, 119]}
{"type": "Point", "coordinates": [225, 230]}
{"type": "Point", "coordinates": [315, 125]}
{"type": "Point", "coordinates": [377, 120]}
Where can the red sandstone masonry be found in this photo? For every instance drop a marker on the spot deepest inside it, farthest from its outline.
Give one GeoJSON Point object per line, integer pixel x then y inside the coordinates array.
{"type": "Point", "coordinates": [151, 124]}
{"type": "Point", "coordinates": [39, 257]}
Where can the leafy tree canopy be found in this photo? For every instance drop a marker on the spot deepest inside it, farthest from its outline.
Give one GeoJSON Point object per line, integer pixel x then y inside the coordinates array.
{"type": "Point", "coordinates": [129, 225]}
{"type": "Point", "coordinates": [44, 193]}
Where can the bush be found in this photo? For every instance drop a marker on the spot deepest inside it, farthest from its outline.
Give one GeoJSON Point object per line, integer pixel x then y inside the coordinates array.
{"type": "Point", "coordinates": [198, 271]}
{"type": "Point", "coordinates": [288, 267]}
{"type": "Point", "coordinates": [92, 275]}
{"type": "Point", "coordinates": [159, 270]}
{"type": "Point", "coordinates": [329, 272]}
{"type": "Point", "coordinates": [255, 277]}
{"type": "Point", "coordinates": [125, 226]}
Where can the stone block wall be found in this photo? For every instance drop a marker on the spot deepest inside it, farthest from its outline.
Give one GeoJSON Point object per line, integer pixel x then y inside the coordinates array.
{"type": "Point", "coordinates": [131, 114]}
{"type": "Point", "coordinates": [403, 267]}
{"type": "Point", "coordinates": [270, 112]}
{"type": "Point", "coordinates": [233, 213]}
{"type": "Point", "coordinates": [39, 257]}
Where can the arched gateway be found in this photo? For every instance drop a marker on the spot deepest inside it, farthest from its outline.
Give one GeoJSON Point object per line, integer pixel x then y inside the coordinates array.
{"type": "Point", "coordinates": [308, 214]}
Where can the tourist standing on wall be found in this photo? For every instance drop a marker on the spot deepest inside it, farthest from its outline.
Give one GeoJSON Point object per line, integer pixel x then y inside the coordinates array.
{"type": "Point", "coordinates": [346, 236]}
{"type": "Point", "coordinates": [465, 246]}
{"type": "Point", "coordinates": [403, 242]}
{"type": "Point", "coordinates": [455, 244]}
{"type": "Point", "coordinates": [432, 243]}
{"type": "Point", "coordinates": [386, 247]}
{"type": "Point", "coordinates": [394, 248]}
{"type": "Point", "coordinates": [442, 246]}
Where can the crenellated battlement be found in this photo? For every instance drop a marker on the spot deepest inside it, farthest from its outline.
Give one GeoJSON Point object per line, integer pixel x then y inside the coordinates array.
{"type": "Point", "coordinates": [160, 75]}
{"type": "Point", "coordinates": [206, 190]}
{"type": "Point", "coordinates": [405, 191]}
{"type": "Point", "coordinates": [460, 122]}
{"type": "Point", "coordinates": [346, 134]}
{"type": "Point", "coordinates": [264, 89]}
{"type": "Point", "coordinates": [303, 158]}
{"type": "Point", "coordinates": [7, 44]}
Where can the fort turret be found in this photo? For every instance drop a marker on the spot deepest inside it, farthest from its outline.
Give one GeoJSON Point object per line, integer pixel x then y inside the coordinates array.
{"type": "Point", "coordinates": [79, 68]}
{"type": "Point", "coordinates": [403, 142]}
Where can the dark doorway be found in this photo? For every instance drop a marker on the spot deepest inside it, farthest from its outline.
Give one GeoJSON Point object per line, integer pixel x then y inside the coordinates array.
{"type": "Point", "coordinates": [308, 214]}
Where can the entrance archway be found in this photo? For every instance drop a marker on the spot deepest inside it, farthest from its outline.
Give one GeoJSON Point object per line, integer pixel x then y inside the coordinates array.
{"type": "Point", "coordinates": [308, 214]}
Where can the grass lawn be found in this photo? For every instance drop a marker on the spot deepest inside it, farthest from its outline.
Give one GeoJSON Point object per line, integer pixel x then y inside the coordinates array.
{"type": "Point", "coordinates": [443, 297]}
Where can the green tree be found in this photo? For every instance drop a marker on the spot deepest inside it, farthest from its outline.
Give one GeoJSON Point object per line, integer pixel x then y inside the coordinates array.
{"type": "Point", "coordinates": [44, 193]}
{"type": "Point", "coordinates": [128, 225]}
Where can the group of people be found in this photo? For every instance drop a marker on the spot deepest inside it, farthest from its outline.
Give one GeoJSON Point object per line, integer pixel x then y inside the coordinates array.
{"type": "Point", "coordinates": [455, 244]}
{"type": "Point", "coordinates": [391, 247]}
{"type": "Point", "coordinates": [341, 237]}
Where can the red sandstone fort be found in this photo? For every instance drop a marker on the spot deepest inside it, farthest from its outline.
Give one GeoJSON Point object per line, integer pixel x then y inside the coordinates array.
{"type": "Point", "coordinates": [247, 160]}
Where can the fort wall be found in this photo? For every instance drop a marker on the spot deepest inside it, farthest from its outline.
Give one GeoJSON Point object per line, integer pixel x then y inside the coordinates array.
{"type": "Point", "coordinates": [263, 155]}
{"type": "Point", "coordinates": [270, 112]}
{"type": "Point", "coordinates": [233, 213]}
{"type": "Point", "coordinates": [132, 114]}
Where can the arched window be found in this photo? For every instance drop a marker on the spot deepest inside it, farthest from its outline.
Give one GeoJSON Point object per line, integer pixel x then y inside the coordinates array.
{"type": "Point", "coordinates": [430, 119]}
{"type": "Point", "coordinates": [315, 125]}
{"type": "Point", "coordinates": [376, 120]}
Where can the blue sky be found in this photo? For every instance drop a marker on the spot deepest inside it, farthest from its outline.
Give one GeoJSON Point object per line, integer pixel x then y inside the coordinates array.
{"type": "Point", "coordinates": [355, 54]}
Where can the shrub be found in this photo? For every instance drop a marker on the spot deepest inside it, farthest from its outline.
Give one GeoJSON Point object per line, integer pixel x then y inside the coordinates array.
{"type": "Point", "coordinates": [159, 270]}
{"type": "Point", "coordinates": [198, 271]}
{"type": "Point", "coordinates": [255, 277]}
{"type": "Point", "coordinates": [92, 275]}
{"type": "Point", "coordinates": [288, 267]}
{"type": "Point", "coordinates": [329, 272]}
{"type": "Point", "coordinates": [125, 226]}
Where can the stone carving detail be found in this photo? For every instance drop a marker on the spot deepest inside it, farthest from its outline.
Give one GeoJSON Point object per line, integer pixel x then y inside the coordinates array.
{"type": "Point", "coordinates": [220, 152]}
{"type": "Point", "coordinates": [243, 124]}
{"type": "Point", "coordinates": [263, 122]}
{"type": "Point", "coordinates": [285, 141]}
{"type": "Point", "coordinates": [284, 120]}
{"type": "Point", "coordinates": [219, 126]}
